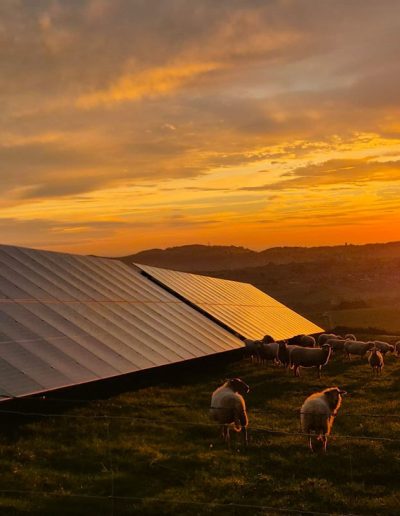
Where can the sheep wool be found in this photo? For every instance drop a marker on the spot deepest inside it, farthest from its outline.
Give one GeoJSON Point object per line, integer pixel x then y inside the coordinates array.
{"type": "Point", "coordinates": [252, 347]}
{"type": "Point", "coordinates": [336, 344]}
{"type": "Point", "coordinates": [284, 351]}
{"type": "Point", "coordinates": [384, 347]}
{"type": "Point", "coordinates": [376, 361]}
{"type": "Point", "coordinates": [310, 357]}
{"type": "Point", "coordinates": [268, 351]}
{"type": "Point", "coordinates": [356, 347]}
{"type": "Point", "coordinates": [324, 337]}
{"type": "Point", "coordinates": [228, 408]}
{"type": "Point", "coordinates": [318, 413]}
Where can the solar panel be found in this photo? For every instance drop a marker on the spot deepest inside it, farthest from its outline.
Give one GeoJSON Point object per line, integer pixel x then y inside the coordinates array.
{"type": "Point", "coordinates": [67, 320]}
{"type": "Point", "coordinates": [240, 306]}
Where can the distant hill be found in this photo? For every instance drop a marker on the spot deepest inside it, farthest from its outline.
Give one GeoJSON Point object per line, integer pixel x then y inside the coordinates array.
{"type": "Point", "coordinates": [216, 258]}
{"type": "Point", "coordinates": [198, 258]}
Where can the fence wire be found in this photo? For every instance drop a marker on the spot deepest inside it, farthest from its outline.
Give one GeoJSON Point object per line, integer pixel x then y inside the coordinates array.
{"type": "Point", "coordinates": [113, 498]}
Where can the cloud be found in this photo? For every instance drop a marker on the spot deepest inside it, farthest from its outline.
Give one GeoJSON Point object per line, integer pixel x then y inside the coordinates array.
{"type": "Point", "coordinates": [47, 233]}
{"type": "Point", "coordinates": [149, 83]}
{"type": "Point", "coordinates": [103, 97]}
{"type": "Point", "coordinates": [333, 172]}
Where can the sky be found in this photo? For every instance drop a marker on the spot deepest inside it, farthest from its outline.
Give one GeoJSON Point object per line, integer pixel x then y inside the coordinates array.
{"type": "Point", "coordinates": [134, 124]}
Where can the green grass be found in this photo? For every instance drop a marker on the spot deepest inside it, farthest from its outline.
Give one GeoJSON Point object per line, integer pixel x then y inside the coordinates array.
{"type": "Point", "coordinates": [179, 458]}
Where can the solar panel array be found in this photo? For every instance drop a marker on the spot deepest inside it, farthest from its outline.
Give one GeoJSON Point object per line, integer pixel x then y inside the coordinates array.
{"type": "Point", "coordinates": [68, 319]}
{"type": "Point", "coordinates": [240, 306]}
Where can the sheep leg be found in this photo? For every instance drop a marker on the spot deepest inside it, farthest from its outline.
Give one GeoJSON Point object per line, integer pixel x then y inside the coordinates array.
{"type": "Point", "coordinates": [324, 442]}
{"type": "Point", "coordinates": [245, 438]}
{"type": "Point", "coordinates": [227, 436]}
{"type": "Point", "coordinates": [319, 372]}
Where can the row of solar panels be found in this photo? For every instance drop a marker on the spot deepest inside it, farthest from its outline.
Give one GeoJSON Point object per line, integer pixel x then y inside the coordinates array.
{"type": "Point", "coordinates": [67, 320]}
{"type": "Point", "coordinates": [239, 306]}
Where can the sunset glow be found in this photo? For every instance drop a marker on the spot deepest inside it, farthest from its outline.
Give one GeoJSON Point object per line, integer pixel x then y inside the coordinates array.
{"type": "Point", "coordinates": [129, 125]}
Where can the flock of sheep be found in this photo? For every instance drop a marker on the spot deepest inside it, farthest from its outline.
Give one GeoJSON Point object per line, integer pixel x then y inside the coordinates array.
{"type": "Point", "coordinates": [317, 414]}
{"type": "Point", "coordinates": [306, 351]}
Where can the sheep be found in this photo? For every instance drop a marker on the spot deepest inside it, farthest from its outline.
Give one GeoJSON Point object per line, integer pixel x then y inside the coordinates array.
{"type": "Point", "coordinates": [310, 357]}
{"type": "Point", "coordinates": [268, 351]}
{"type": "Point", "coordinates": [306, 341]}
{"type": "Point", "coordinates": [397, 348]}
{"type": "Point", "coordinates": [336, 344]}
{"type": "Point", "coordinates": [324, 337]}
{"type": "Point", "coordinates": [375, 359]}
{"type": "Point", "coordinates": [284, 351]}
{"type": "Point", "coordinates": [296, 340]}
{"type": "Point", "coordinates": [357, 347]}
{"type": "Point", "coordinates": [318, 412]}
{"type": "Point", "coordinates": [383, 347]}
{"type": "Point", "coordinates": [252, 347]}
{"type": "Point", "coordinates": [350, 336]}
{"type": "Point", "coordinates": [228, 408]}
{"type": "Point", "coordinates": [267, 339]}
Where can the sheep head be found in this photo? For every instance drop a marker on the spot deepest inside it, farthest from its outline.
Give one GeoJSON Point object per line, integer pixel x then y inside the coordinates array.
{"type": "Point", "coordinates": [333, 396]}
{"type": "Point", "coordinates": [238, 385]}
{"type": "Point", "coordinates": [267, 339]}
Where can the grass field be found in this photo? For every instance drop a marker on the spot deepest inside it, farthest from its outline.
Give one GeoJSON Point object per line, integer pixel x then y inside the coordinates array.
{"type": "Point", "coordinates": [154, 449]}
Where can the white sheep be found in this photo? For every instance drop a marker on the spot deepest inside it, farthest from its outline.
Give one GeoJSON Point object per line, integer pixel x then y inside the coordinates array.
{"type": "Point", "coordinates": [384, 347]}
{"type": "Point", "coordinates": [350, 336]}
{"type": "Point", "coordinates": [228, 408]}
{"type": "Point", "coordinates": [357, 347]}
{"type": "Point", "coordinates": [318, 412]}
{"type": "Point", "coordinates": [268, 351]}
{"type": "Point", "coordinates": [306, 341]}
{"type": "Point", "coordinates": [375, 359]}
{"type": "Point", "coordinates": [309, 357]}
{"type": "Point", "coordinates": [252, 349]}
{"type": "Point", "coordinates": [324, 337]}
{"type": "Point", "coordinates": [284, 351]}
{"type": "Point", "coordinates": [336, 344]}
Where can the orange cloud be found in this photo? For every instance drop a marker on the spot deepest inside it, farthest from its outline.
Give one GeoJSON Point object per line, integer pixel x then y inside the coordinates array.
{"type": "Point", "coordinates": [149, 83]}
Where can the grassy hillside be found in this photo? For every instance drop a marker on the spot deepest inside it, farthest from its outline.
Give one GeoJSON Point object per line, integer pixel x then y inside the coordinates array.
{"type": "Point", "coordinates": [156, 447]}
{"type": "Point", "coordinates": [349, 292]}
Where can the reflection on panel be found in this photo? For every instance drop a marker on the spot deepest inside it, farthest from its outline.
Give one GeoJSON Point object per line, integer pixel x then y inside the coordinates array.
{"type": "Point", "coordinates": [240, 306]}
